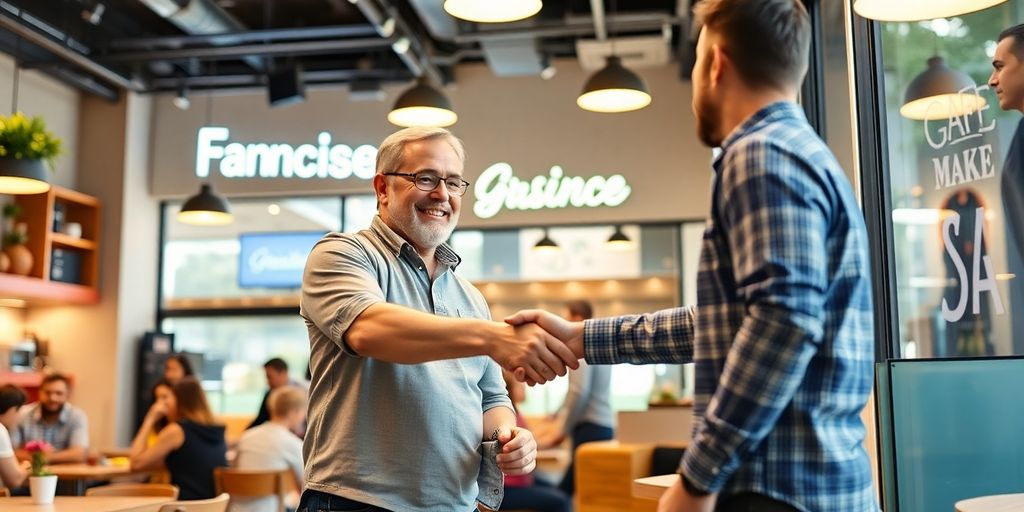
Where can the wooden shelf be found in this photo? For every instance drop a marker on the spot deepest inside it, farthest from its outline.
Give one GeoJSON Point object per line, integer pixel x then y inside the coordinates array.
{"type": "Point", "coordinates": [67, 242]}
{"type": "Point", "coordinates": [41, 292]}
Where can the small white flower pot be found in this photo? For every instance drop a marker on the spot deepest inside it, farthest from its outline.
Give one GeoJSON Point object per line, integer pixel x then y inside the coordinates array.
{"type": "Point", "coordinates": [43, 488]}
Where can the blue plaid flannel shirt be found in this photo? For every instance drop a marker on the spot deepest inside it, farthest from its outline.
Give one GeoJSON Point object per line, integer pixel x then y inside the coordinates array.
{"type": "Point", "coordinates": [782, 333]}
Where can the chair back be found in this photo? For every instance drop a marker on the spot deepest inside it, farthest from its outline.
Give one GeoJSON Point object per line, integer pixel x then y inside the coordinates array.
{"type": "Point", "coordinates": [218, 504]}
{"type": "Point", "coordinates": [252, 483]}
{"type": "Point", "coordinates": [165, 490]}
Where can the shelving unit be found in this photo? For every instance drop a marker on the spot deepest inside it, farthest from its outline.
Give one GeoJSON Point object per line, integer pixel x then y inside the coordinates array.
{"type": "Point", "coordinates": [40, 287]}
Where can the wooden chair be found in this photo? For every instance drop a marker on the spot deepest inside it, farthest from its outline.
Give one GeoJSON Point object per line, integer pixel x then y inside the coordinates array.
{"type": "Point", "coordinates": [166, 490]}
{"type": "Point", "coordinates": [4, 493]}
{"type": "Point", "coordinates": [218, 504]}
{"type": "Point", "coordinates": [252, 483]}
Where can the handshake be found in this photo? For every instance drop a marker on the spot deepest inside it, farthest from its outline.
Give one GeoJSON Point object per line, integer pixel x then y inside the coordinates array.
{"type": "Point", "coordinates": [536, 346]}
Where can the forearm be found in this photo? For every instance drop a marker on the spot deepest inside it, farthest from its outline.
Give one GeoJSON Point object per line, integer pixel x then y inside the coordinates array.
{"type": "Point", "coordinates": [11, 473]}
{"type": "Point", "coordinates": [73, 454]}
{"type": "Point", "coordinates": [141, 439]}
{"type": "Point", "coordinates": [403, 335]}
{"type": "Point", "coordinates": [761, 376]}
{"type": "Point", "coordinates": [499, 417]}
{"type": "Point", "coordinates": [664, 336]}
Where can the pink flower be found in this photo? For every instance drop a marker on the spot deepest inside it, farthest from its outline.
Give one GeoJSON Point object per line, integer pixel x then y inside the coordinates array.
{"type": "Point", "coordinates": [38, 445]}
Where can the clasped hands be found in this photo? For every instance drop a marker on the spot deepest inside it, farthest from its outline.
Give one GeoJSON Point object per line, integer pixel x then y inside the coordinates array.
{"type": "Point", "coordinates": [539, 346]}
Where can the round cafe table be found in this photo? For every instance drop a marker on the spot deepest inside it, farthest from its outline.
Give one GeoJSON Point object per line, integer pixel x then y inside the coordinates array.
{"type": "Point", "coordinates": [86, 504]}
{"type": "Point", "coordinates": [995, 503]}
{"type": "Point", "coordinates": [652, 487]}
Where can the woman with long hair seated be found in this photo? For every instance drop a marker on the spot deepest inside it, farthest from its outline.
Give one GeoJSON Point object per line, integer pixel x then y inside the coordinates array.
{"type": "Point", "coordinates": [189, 447]}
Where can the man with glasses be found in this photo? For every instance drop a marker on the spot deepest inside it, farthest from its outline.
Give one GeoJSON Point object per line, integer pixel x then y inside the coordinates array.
{"type": "Point", "coordinates": [405, 409]}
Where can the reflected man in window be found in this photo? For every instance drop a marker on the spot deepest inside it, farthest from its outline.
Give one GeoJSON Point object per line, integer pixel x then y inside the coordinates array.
{"type": "Point", "coordinates": [782, 334]}
{"type": "Point", "coordinates": [1007, 80]}
{"type": "Point", "coordinates": [405, 411]}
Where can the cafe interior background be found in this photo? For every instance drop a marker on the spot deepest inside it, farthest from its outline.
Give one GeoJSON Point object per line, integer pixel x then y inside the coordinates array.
{"type": "Point", "coordinates": [130, 89]}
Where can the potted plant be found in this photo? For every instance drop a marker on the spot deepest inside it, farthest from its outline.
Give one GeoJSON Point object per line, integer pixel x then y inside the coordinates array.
{"type": "Point", "coordinates": [24, 145]}
{"type": "Point", "coordinates": [42, 484]}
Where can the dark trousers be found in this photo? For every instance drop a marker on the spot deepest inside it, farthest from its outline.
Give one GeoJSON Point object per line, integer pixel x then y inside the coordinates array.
{"type": "Point", "coordinates": [752, 502]}
{"type": "Point", "coordinates": [316, 501]}
{"type": "Point", "coordinates": [582, 433]}
{"type": "Point", "coordinates": [537, 497]}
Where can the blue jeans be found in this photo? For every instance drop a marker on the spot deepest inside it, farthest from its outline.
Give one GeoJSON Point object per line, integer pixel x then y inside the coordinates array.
{"type": "Point", "coordinates": [582, 433]}
{"type": "Point", "coordinates": [316, 501]}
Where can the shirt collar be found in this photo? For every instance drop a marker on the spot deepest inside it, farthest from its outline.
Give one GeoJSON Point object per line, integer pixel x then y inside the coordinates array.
{"type": "Point", "coordinates": [62, 416]}
{"type": "Point", "coordinates": [444, 253]}
{"type": "Point", "coordinates": [770, 113]}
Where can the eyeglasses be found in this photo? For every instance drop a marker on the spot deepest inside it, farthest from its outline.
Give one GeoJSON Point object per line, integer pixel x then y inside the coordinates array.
{"type": "Point", "coordinates": [427, 181]}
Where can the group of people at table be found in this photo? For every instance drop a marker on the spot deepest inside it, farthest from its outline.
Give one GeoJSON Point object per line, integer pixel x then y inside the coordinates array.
{"type": "Point", "coordinates": [180, 439]}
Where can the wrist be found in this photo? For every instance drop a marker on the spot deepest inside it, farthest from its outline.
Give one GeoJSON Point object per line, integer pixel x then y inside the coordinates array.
{"type": "Point", "coordinates": [690, 488]}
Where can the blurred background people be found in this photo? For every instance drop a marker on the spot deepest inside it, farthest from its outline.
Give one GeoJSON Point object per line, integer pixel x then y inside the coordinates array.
{"type": "Point", "coordinates": [273, 445]}
{"type": "Point", "coordinates": [276, 370]}
{"type": "Point", "coordinates": [54, 420]}
{"type": "Point", "coordinates": [586, 414]}
{"type": "Point", "coordinates": [12, 474]}
{"type": "Point", "coordinates": [525, 491]}
{"type": "Point", "coordinates": [189, 448]}
{"type": "Point", "coordinates": [176, 367]}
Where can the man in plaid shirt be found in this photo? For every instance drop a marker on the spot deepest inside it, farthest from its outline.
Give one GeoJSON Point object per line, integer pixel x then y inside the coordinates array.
{"type": "Point", "coordinates": [782, 331]}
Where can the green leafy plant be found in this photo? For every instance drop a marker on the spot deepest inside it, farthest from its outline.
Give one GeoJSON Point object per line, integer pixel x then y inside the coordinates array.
{"type": "Point", "coordinates": [39, 448]}
{"type": "Point", "coordinates": [26, 138]}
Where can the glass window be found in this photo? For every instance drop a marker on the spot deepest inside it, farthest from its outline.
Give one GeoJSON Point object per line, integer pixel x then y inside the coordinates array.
{"type": "Point", "coordinates": [954, 190]}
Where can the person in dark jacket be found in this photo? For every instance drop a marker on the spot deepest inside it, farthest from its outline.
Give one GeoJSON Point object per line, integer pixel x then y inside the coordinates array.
{"type": "Point", "coordinates": [189, 448]}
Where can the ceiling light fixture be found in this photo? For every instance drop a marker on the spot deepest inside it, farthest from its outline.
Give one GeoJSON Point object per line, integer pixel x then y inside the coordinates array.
{"type": "Point", "coordinates": [491, 11]}
{"type": "Point", "coordinates": [546, 244]}
{"type": "Point", "coordinates": [206, 209]}
{"type": "Point", "coordinates": [917, 10]}
{"type": "Point", "coordinates": [619, 240]}
{"type": "Point", "coordinates": [936, 94]}
{"type": "Point", "coordinates": [181, 100]}
{"type": "Point", "coordinates": [422, 105]}
{"type": "Point", "coordinates": [614, 89]}
{"type": "Point", "coordinates": [20, 175]}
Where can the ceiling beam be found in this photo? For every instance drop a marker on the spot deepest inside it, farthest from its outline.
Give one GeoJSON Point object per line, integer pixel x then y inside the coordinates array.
{"type": "Point", "coordinates": [231, 52]}
{"type": "Point", "coordinates": [248, 36]}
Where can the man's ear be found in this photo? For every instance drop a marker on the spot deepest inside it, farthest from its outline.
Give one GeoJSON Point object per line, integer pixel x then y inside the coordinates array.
{"type": "Point", "coordinates": [719, 61]}
{"type": "Point", "coordinates": [380, 187]}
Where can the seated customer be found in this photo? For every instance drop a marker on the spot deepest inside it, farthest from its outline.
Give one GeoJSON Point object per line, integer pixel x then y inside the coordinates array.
{"type": "Point", "coordinates": [276, 371]}
{"type": "Point", "coordinates": [176, 367]}
{"type": "Point", "coordinates": [274, 445]}
{"type": "Point", "coordinates": [189, 448]}
{"type": "Point", "coordinates": [54, 420]}
{"type": "Point", "coordinates": [11, 473]}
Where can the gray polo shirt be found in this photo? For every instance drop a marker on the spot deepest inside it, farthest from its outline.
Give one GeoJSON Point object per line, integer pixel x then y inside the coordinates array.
{"type": "Point", "coordinates": [71, 430]}
{"type": "Point", "coordinates": [403, 437]}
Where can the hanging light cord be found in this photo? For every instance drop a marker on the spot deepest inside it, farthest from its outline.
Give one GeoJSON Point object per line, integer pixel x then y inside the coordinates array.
{"type": "Point", "coordinates": [16, 76]}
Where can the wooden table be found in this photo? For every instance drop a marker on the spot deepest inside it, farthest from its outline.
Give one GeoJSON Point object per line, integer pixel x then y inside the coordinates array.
{"type": "Point", "coordinates": [79, 473]}
{"type": "Point", "coordinates": [652, 487]}
{"type": "Point", "coordinates": [996, 503]}
{"type": "Point", "coordinates": [86, 504]}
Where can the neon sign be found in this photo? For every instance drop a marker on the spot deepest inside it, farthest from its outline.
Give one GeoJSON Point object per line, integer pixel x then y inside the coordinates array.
{"type": "Point", "coordinates": [266, 160]}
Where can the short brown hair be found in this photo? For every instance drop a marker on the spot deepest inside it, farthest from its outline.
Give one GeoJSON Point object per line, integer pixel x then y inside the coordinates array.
{"type": "Point", "coordinates": [768, 40]}
{"type": "Point", "coordinates": [1017, 33]}
{"type": "Point", "coordinates": [286, 399]}
{"type": "Point", "coordinates": [56, 377]}
{"type": "Point", "coordinates": [191, 402]}
{"type": "Point", "coordinates": [580, 308]}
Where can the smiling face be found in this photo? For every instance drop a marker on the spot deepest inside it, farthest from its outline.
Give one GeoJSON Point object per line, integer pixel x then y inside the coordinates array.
{"type": "Point", "coordinates": [424, 219]}
{"type": "Point", "coordinates": [1007, 78]}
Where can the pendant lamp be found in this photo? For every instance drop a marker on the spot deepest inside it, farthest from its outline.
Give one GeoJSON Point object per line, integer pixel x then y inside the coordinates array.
{"type": "Point", "coordinates": [20, 175]}
{"type": "Point", "coordinates": [206, 209]}
{"type": "Point", "coordinates": [492, 11]}
{"type": "Point", "coordinates": [917, 10]}
{"type": "Point", "coordinates": [614, 89]}
{"type": "Point", "coordinates": [422, 105]}
{"type": "Point", "coordinates": [935, 94]}
{"type": "Point", "coordinates": [619, 240]}
{"type": "Point", "coordinates": [546, 244]}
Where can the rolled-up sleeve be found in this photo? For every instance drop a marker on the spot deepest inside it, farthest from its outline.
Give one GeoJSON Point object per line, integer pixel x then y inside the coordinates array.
{"type": "Point", "coordinates": [338, 284]}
